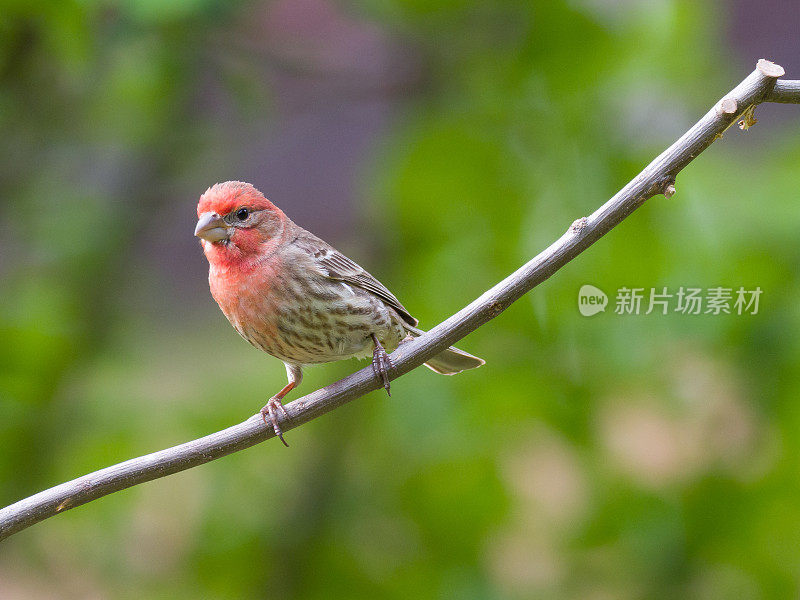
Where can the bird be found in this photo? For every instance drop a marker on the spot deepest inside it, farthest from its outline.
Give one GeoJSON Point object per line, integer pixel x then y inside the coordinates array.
{"type": "Point", "coordinates": [297, 298]}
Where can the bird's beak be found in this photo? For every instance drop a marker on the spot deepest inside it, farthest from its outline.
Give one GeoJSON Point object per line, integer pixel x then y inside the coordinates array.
{"type": "Point", "coordinates": [211, 227]}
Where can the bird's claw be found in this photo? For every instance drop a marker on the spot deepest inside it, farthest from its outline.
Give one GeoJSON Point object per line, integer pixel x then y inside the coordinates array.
{"type": "Point", "coordinates": [270, 415]}
{"type": "Point", "coordinates": [381, 363]}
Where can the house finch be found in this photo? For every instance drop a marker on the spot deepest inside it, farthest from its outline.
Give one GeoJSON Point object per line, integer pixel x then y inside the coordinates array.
{"type": "Point", "coordinates": [295, 297]}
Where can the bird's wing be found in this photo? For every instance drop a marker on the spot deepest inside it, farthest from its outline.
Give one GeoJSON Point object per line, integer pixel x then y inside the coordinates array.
{"type": "Point", "coordinates": [336, 265]}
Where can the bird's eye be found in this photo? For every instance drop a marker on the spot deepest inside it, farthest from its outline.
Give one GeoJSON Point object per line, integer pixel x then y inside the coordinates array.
{"type": "Point", "coordinates": [242, 214]}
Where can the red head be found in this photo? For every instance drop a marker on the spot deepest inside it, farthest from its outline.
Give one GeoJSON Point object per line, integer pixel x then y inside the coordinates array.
{"type": "Point", "coordinates": [236, 223]}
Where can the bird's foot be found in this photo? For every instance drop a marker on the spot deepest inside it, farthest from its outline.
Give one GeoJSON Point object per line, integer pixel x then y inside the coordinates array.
{"type": "Point", "coordinates": [381, 363]}
{"type": "Point", "coordinates": [270, 415]}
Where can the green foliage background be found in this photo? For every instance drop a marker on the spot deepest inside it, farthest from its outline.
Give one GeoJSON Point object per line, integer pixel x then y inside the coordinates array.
{"type": "Point", "coordinates": [609, 457]}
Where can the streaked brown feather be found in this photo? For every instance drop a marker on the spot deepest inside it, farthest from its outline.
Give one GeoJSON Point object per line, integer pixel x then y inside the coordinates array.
{"type": "Point", "coordinates": [338, 267]}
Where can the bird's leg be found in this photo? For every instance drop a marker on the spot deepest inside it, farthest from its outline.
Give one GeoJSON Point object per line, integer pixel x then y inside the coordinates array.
{"type": "Point", "coordinates": [381, 363]}
{"type": "Point", "coordinates": [270, 411]}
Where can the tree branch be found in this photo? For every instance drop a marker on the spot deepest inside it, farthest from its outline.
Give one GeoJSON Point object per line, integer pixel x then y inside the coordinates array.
{"type": "Point", "coordinates": [787, 92]}
{"type": "Point", "coordinates": [657, 178]}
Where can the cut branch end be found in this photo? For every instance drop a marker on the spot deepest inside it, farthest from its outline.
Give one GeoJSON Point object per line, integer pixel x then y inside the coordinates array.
{"type": "Point", "coordinates": [770, 69]}
{"type": "Point", "coordinates": [727, 106]}
{"type": "Point", "coordinates": [578, 225]}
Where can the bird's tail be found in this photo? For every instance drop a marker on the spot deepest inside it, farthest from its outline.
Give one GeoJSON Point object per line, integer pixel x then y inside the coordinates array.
{"type": "Point", "coordinates": [451, 361]}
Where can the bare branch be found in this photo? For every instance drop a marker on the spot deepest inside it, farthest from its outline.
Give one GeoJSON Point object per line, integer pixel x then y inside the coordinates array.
{"type": "Point", "coordinates": [657, 178]}
{"type": "Point", "coordinates": [786, 92]}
